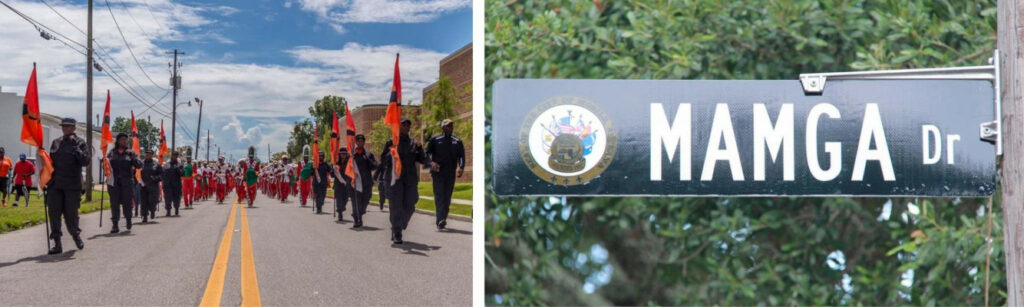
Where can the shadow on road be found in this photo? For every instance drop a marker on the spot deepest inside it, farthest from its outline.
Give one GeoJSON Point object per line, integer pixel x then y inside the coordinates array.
{"type": "Point", "coordinates": [366, 228]}
{"type": "Point", "coordinates": [414, 248]}
{"type": "Point", "coordinates": [456, 231]}
{"type": "Point", "coordinates": [126, 233]}
{"type": "Point", "coordinates": [44, 258]}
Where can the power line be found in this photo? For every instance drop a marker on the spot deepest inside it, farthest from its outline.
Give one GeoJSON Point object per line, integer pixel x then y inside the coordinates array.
{"type": "Point", "coordinates": [104, 51]}
{"type": "Point", "coordinates": [111, 73]}
{"type": "Point", "coordinates": [129, 46]}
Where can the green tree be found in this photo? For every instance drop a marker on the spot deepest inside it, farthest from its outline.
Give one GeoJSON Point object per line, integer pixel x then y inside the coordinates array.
{"type": "Point", "coordinates": [378, 136]}
{"type": "Point", "coordinates": [302, 134]}
{"type": "Point", "coordinates": [184, 151]}
{"type": "Point", "coordinates": [737, 251]}
{"type": "Point", "coordinates": [149, 135]}
{"type": "Point", "coordinates": [443, 102]}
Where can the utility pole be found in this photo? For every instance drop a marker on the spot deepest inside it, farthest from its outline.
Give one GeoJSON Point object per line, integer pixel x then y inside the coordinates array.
{"type": "Point", "coordinates": [88, 104]}
{"type": "Point", "coordinates": [1011, 65]}
{"type": "Point", "coordinates": [199, 125]}
{"type": "Point", "coordinates": [268, 152]}
{"type": "Point", "coordinates": [207, 144]}
{"type": "Point", "coordinates": [218, 151]}
{"type": "Point", "coordinates": [175, 86]}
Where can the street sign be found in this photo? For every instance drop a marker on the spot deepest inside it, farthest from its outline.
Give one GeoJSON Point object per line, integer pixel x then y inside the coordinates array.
{"type": "Point", "coordinates": [742, 138]}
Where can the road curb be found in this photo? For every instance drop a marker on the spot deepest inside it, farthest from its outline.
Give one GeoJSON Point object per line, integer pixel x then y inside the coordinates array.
{"type": "Point", "coordinates": [456, 217]}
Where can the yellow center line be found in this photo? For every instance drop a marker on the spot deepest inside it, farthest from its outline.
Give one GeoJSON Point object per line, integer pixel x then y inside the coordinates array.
{"type": "Point", "coordinates": [215, 284]}
{"type": "Point", "coordinates": [250, 287]}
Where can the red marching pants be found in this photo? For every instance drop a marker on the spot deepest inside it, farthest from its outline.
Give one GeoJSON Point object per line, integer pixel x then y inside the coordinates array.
{"type": "Point", "coordinates": [222, 191]}
{"type": "Point", "coordinates": [283, 190]}
{"type": "Point", "coordinates": [240, 192]}
{"type": "Point", "coordinates": [186, 191]}
{"type": "Point", "coordinates": [304, 186]}
{"type": "Point", "coordinates": [252, 193]}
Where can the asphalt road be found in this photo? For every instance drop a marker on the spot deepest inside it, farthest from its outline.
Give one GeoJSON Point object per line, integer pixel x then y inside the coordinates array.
{"type": "Point", "coordinates": [295, 258]}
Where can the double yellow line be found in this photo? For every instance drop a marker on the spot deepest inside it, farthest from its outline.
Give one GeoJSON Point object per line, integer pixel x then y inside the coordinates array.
{"type": "Point", "coordinates": [215, 284]}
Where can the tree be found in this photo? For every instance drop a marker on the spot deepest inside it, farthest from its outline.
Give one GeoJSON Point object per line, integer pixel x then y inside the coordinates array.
{"type": "Point", "coordinates": [378, 136]}
{"type": "Point", "coordinates": [737, 251]}
{"type": "Point", "coordinates": [149, 136]}
{"type": "Point", "coordinates": [302, 134]}
{"type": "Point", "coordinates": [442, 103]}
{"type": "Point", "coordinates": [184, 151]}
{"type": "Point", "coordinates": [277, 155]}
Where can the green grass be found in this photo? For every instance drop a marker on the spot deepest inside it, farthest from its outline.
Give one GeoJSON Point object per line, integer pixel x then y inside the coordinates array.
{"type": "Point", "coordinates": [462, 191]}
{"type": "Point", "coordinates": [14, 218]}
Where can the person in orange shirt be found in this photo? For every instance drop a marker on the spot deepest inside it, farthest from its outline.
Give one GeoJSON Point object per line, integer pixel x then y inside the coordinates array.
{"type": "Point", "coordinates": [5, 169]}
{"type": "Point", "coordinates": [23, 171]}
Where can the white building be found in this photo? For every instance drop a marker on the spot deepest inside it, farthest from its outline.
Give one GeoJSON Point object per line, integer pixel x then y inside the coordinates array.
{"type": "Point", "coordinates": [10, 131]}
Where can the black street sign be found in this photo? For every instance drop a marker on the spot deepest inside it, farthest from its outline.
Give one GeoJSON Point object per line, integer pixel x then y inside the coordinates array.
{"type": "Point", "coordinates": [742, 138]}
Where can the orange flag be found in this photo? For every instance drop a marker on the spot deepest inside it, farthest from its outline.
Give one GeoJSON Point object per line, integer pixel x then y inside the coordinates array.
{"type": "Point", "coordinates": [393, 117]}
{"type": "Point", "coordinates": [335, 142]}
{"type": "Point", "coordinates": [32, 128]}
{"type": "Point", "coordinates": [163, 143]}
{"type": "Point", "coordinates": [352, 169]}
{"type": "Point", "coordinates": [135, 145]}
{"type": "Point", "coordinates": [107, 137]}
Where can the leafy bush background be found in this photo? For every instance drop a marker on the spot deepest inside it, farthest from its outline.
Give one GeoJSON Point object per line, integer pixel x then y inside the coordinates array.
{"type": "Point", "coordinates": [791, 251]}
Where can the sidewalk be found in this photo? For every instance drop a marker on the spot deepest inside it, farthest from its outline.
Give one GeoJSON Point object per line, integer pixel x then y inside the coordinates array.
{"type": "Point", "coordinates": [425, 212]}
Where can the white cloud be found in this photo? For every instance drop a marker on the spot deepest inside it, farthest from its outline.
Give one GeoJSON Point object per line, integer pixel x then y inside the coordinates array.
{"type": "Point", "coordinates": [245, 104]}
{"type": "Point", "coordinates": [339, 12]}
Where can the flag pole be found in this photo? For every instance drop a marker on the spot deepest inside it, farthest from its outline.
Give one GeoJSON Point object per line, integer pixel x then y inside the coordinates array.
{"type": "Point", "coordinates": [103, 189]}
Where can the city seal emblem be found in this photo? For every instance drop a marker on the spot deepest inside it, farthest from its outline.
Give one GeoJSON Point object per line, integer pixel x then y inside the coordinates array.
{"type": "Point", "coordinates": [567, 141]}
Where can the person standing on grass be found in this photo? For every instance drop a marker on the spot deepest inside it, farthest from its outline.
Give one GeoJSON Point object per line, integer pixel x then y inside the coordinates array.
{"type": "Point", "coordinates": [23, 171]}
{"type": "Point", "coordinates": [447, 158]}
{"type": "Point", "coordinates": [5, 170]}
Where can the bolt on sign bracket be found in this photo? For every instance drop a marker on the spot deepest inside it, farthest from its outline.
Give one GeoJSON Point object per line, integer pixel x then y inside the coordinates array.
{"type": "Point", "coordinates": [814, 84]}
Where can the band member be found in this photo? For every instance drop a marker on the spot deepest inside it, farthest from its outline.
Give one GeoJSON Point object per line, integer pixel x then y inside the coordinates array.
{"type": "Point", "coordinates": [320, 180]}
{"type": "Point", "coordinates": [447, 158]}
{"type": "Point", "coordinates": [378, 175]}
{"type": "Point", "coordinates": [365, 163]}
{"type": "Point", "coordinates": [173, 172]}
{"type": "Point", "coordinates": [239, 179]}
{"type": "Point", "coordinates": [70, 154]}
{"type": "Point", "coordinates": [341, 183]}
{"type": "Point", "coordinates": [188, 181]}
{"type": "Point", "coordinates": [152, 175]}
{"type": "Point", "coordinates": [23, 171]}
{"type": "Point", "coordinates": [252, 173]}
{"type": "Point", "coordinates": [123, 164]}
{"type": "Point", "coordinates": [305, 180]}
{"type": "Point", "coordinates": [285, 173]}
{"type": "Point", "coordinates": [404, 192]}
{"type": "Point", "coordinates": [221, 172]}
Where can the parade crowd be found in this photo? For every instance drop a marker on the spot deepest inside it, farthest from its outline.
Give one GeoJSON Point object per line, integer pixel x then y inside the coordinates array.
{"type": "Point", "coordinates": [137, 184]}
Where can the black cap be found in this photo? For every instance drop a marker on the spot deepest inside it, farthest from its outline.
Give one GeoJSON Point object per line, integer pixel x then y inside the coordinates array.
{"type": "Point", "coordinates": [148, 150]}
{"type": "Point", "coordinates": [121, 135]}
{"type": "Point", "coordinates": [343, 150]}
{"type": "Point", "coordinates": [360, 137]}
{"type": "Point", "coordinates": [67, 121]}
{"type": "Point", "coordinates": [406, 120]}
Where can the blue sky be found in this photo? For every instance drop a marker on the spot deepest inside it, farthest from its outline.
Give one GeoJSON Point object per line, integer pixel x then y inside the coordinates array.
{"type": "Point", "coordinates": [258, 64]}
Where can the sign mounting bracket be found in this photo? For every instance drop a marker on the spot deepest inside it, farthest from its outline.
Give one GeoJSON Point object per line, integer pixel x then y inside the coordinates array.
{"type": "Point", "coordinates": [814, 83]}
